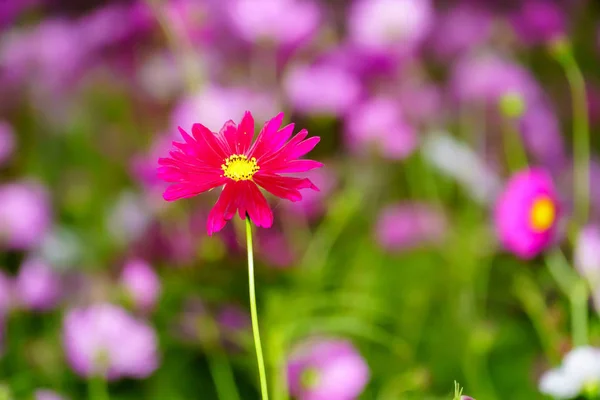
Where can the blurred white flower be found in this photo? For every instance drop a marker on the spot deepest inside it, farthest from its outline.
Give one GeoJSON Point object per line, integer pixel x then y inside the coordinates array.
{"type": "Point", "coordinates": [580, 370]}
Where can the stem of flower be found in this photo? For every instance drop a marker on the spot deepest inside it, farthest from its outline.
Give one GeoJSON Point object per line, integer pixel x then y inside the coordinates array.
{"type": "Point", "coordinates": [254, 314]}
{"type": "Point", "coordinates": [222, 376]}
{"type": "Point", "coordinates": [579, 311]}
{"type": "Point", "coordinates": [97, 389]}
{"type": "Point", "coordinates": [563, 53]}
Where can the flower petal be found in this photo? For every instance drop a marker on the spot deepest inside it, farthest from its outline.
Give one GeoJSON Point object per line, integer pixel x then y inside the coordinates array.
{"type": "Point", "coordinates": [203, 135]}
{"type": "Point", "coordinates": [228, 135]}
{"type": "Point", "coordinates": [221, 212]}
{"type": "Point", "coordinates": [284, 187]}
{"type": "Point", "coordinates": [294, 166]}
{"type": "Point", "coordinates": [245, 133]}
{"type": "Point", "coordinates": [187, 189]}
{"type": "Point", "coordinates": [257, 207]}
{"type": "Point", "coordinates": [261, 145]}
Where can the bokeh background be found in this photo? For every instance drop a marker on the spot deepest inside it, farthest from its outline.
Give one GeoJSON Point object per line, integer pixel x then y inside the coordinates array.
{"type": "Point", "coordinates": [391, 277]}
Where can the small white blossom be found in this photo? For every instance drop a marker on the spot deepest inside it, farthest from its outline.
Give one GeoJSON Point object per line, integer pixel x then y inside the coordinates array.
{"type": "Point", "coordinates": [580, 368]}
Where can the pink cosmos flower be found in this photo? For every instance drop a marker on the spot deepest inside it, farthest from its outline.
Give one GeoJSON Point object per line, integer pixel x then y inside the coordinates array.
{"type": "Point", "coordinates": [141, 283]}
{"type": "Point", "coordinates": [104, 339]}
{"type": "Point", "coordinates": [231, 159]}
{"type": "Point", "coordinates": [527, 212]}
{"type": "Point", "coordinates": [327, 369]}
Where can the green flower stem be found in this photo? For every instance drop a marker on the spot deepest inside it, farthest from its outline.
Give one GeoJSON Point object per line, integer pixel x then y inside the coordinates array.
{"type": "Point", "coordinates": [97, 388]}
{"type": "Point", "coordinates": [579, 311]}
{"type": "Point", "coordinates": [254, 314]}
{"type": "Point", "coordinates": [222, 375]}
{"type": "Point", "coordinates": [514, 150]}
{"type": "Point", "coordinates": [563, 53]}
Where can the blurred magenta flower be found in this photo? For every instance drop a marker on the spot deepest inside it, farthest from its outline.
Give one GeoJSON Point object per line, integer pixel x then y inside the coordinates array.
{"type": "Point", "coordinates": [321, 89]}
{"type": "Point", "coordinates": [273, 247]}
{"type": "Point", "coordinates": [141, 284]}
{"type": "Point", "coordinates": [214, 104]}
{"type": "Point", "coordinates": [230, 159]}
{"type": "Point", "coordinates": [527, 213]}
{"type": "Point", "coordinates": [487, 78]}
{"type": "Point", "coordinates": [539, 21]}
{"type": "Point", "coordinates": [326, 369]}
{"type": "Point", "coordinates": [580, 369]}
{"type": "Point", "coordinates": [44, 394]}
{"type": "Point", "coordinates": [586, 255]}
{"type": "Point", "coordinates": [25, 214]}
{"type": "Point", "coordinates": [404, 226]}
{"type": "Point", "coordinates": [542, 137]}
{"type": "Point", "coordinates": [389, 26]}
{"type": "Point", "coordinates": [313, 203]}
{"type": "Point", "coordinates": [379, 124]}
{"type": "Point", "coordinates": [103, 339]}
{"type": "Point", "coordinates": [7, 142]}
{"type": "Point", "coordinates": [460, 29]}
{"type": "Point", "coordinates": [285, 22]}
{"type": "Point", "coordinates": [38, 285]}
{"type": "Point", "coordinates": [10, 10]}
{"type": "Point", "coordinates": [234, 324]}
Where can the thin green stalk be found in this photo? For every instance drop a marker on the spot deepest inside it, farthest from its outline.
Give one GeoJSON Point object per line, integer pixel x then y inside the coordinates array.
{"type": "Point", "coordinates": [222, 377]}
{"type": "Point", "coordinates": [563, 53]}
{"type": "Point", "coordinates": [513, 147]}
{"type": "Point", "coordinates": [254, 314]}
{"type": "Point", "coordinates": [579, 311]}
{"type": "Point", "coordinates": [97, 389]}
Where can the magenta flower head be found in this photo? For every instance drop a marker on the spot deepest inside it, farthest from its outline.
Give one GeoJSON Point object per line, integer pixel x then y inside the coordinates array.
{"type": "Point", "coordinates": [44, 394]}
{"type": "Point", "coordinates": [587, 254]}
{"type": "Point", "coordinates": [285, 22]}
{"type": "Point", "coordinates": [231, 159]}
{"type": "Point", "coordinates": [24, 215]}
{"type": "Point", "coordinates": [104, 339]}
{"type": "Point", "coordinates": [7, 142]}
{"type": "Point", "coordinates": [326, 369]}
{"type": "Point", "coordinates": [539, 21]}
{"type": "Point", "coordinates": [141, 284]}
{"type": "Point", "coordinates": [38, 285]}
{"type": "Point", "coordinates": [527, 213]}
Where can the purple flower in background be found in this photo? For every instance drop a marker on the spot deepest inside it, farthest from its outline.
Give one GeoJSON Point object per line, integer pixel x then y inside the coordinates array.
{"type": "Point", "coordinates": [389, 26]}
{"type": "Point", "coordinates": [25, 214]}
{"type": "Point", "coordinates": [234, 325]}
{"type": "Point", "coordinates": [274, 248]}
{"type": "Point", "coordinates": [286, 22]}
{"type": "Point", "coordinates": [587, 254]}
{"type": "Point", "coordinates": [420, 102]}
{"type": "Point", "coordinates": [326, 369]}
{"type": "Point", "coordinates": [539, 21]}
{"type": "Point", "coordinates": [313, 203]}
{"type": "Point", "coordinates": [404, 226]}
{"type": "Point", "coordinates": [321, 89]}
{"type": "Point", "coordinates": [527, 213]}
{"type": "Point", "coordinates": [215, 104]}
{"type": "Point", "coordinates": [38, 285]}
{"type": "Point", "coordinates": [104, 339]}
{"type": "Point", "coordinates": [486, 79]}
{"type": "Point", "coordinates": [43, 394]}
{"type": "Point", "coordinates": [141, 284]}
{"type": "Point", "coordinates": [7, 142]}
{"type": "Point", "coordinates": [198, 21]}
{"type": "Point", "coordinates": [378, 123]}
{"type": "Point", "coordinates": [460, 29]}
{"type": "Point", "coordinates": [542, 136]}
{"type": "Point", "coordinates": [10, 9]}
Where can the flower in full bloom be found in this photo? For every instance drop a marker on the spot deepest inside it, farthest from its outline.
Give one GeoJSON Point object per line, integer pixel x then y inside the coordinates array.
{"type": "Point", "coordinates": [231, 159]}
{"type": "Point", "coordinates": [141, 283]}
{"type": "Point", "coordinates": [104, 339]}
{"type": "Point", "coordinates": [324, 369]}
{"type": "Point", "coordinates": [38, 285]}
{"type": "Point", "coordinates": [527, 213]}
{"type": "Point", "coordinates": [579, 372]}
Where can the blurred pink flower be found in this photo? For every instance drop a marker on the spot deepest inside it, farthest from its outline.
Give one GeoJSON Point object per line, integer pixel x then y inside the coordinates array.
{"type": "Point", "coordinates": [460, 29]}
{"type": "Point", "coordinates": [25, 215]}
{"type": "Point", "coordinates": [394, 26]}
{"type": "Point", "coordinates": [378, 123]}
{"type": "Point", "coordinates": [104, 339]}
{"type": "Point", "coordinates": [527, 213]}
{"type": "Point", "coordinates": [404, 226]}
{"type": "Point", "coordinates": [542, 136]}
{"type": "Point", "coordinates": [285, 22]}
{"type": "Point", "coordinates": [313, 203]}
{"type": "Point", "coordinates": [326, 369]}
{"type": "Point", "coordinates": [539, 21]}
{"type": "Point", "coordinates": [274, 248]}
{"type": "Point", "coordinates": [7, 142]}
{"type": "Point", "coordinates": [195, 20]}
{"type": "Point", "coordinates": [214, 104]}
{"type": "Point", "coordinates": [141, 283]}
{"type": "Point", "coordinates": [233, 323]}
{"type": "Point", "coordinates": [587, 254]}
{"type": "Point", "coordinates": [421, 102]}
{"type": "Point", "coordinates": [38, 286]}
{"type": "Point", "coordinates": [321, 89]}
{"type": "Point", "coordinates": [43, 394]}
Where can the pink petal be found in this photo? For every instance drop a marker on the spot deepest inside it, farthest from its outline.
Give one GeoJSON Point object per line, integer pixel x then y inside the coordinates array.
{"type": "Point", "coordinates": [245, 133]}
{"type": "Point", "coordinates": [220, 213]}
{"type": "Point", "coordinates": [260, 146]}
{"type": "Point", "coordinates": [203, 135]}
{"type": "Point", "coordinates": [284, 187]}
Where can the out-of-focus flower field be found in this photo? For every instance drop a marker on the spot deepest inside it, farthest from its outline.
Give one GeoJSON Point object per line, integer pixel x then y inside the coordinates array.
{"type": "Point", "coordinates": [455, 235]}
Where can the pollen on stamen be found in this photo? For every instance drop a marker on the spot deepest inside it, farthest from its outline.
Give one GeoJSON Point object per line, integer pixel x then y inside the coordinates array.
{"type": "Point", "coordinates": [239, 168]}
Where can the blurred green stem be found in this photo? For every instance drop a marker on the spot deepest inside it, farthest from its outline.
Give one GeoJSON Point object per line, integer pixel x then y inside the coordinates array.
{"type": "Point", "coordinates": [579, 311]}
{"type": "Point", "coordinates": [97, 389]}
{"type": "Point", "coordinates": [563, 53]}
{"type": "Point", "coordinates": [222, 376]}
{"type": "Point", "coordinates": [514, 151]}
{"type": "Point", "coordinates": [254, 314]}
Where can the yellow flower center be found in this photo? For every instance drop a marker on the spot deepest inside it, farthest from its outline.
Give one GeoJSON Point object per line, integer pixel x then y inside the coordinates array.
{"type": "Point", "coordinates": [543, 214]}
{"type": "Point", "coordinates": [239, 168]}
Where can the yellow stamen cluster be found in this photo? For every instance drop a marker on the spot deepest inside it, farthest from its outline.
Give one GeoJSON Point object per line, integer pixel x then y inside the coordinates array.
{"type": "Point", "coordinates": [239, 168]}
{"type": "Point", "coordinates": [542, 214]}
